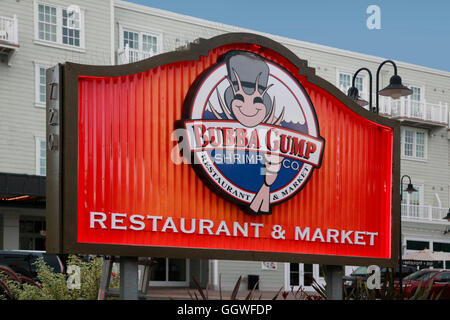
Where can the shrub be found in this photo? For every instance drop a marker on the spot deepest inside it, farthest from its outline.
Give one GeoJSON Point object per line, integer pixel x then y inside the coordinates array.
{"type": "Point", "coordinates": [53, 286]}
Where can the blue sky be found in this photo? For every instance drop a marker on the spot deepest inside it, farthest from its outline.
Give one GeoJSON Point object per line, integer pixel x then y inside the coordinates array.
{"type": "Point", "coordinates": [416, 31]}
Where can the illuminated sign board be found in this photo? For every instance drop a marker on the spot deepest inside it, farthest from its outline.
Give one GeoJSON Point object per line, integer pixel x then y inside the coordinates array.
{"type": "Point", "coordinates": [231, 149]}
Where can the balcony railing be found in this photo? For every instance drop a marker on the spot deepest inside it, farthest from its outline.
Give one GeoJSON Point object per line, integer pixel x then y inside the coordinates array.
{"type": "Point", "coordinates": [9, 34]}
{"type": "Point", "coordinates": [407, 109]}
{"type": "Point", "coordinates": [415, 110]}
{"type": "Point", "coordinates": [128, 55]}
{"type": "Point", "coordinates": [424, 213]}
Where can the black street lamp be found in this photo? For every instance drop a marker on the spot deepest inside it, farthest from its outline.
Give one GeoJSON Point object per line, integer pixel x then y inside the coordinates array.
{"type": "Point", "coordinates": [395, 89]}
{"type": "Point", "coordinates": [353, 91]}
{"type": "Point", "coordinates": [410, 189]}
{"type": "Point", "coordinates": [447, 217]}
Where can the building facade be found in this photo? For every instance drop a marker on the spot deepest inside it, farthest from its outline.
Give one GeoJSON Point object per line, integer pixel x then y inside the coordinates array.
{"type": "Point", "coordinates": [37, 34]}
{"type": "Point", "coordinates": [33, 36]}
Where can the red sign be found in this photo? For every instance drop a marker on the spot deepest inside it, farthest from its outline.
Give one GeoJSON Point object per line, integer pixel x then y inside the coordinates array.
{"type": "Point", "coordinates": [255, 134]}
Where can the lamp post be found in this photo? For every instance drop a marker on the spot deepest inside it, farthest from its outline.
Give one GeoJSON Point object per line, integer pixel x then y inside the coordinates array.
{"type": "Point", "coordinates": [395, 89]}
{"type": "Point", "coordinates": [353, 91]}
{"type": "Point", "coordinates": [410, 189]}
{"type": "Point", "coordinates": [447, 217]}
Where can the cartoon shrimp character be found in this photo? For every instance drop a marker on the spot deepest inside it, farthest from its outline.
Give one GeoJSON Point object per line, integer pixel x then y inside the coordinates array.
{"type": "Point", "coordinates": [247, 101]}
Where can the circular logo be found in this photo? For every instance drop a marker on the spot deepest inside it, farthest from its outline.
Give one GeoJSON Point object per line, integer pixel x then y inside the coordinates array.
{"type": "Point", "coordinates": [253, 131]}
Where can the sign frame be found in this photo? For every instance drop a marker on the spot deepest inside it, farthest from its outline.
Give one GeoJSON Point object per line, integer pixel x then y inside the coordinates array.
{"type": "Point", "coordinates": [62, 162]}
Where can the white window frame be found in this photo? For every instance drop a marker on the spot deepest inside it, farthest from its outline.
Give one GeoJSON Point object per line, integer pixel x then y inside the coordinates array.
{"type": "Point", "coordinates": [140, 31]}
{"type": "Point", "coordinates": [37, 66]}
{"type": "Point", "coordinates": [38, 139]}
{"type": "Point", "coordinates": [407, 196]}
{"type": "Point", "coordinates": [167, 283]}
{"type": "Point", "coordinates": [415, 238]}
{"type": "Point", "coordinates": [419, 86]}
{"type": "Point", "coordinates": [364, 93]}
{"type": "Point", "coordinates": [301, 269]}
{"type": "Point", "coordinates": [59, 25]}
{"type": "Point", "coordinates": [438, 240]}
{"type": "Point", "coordinates": [414, 157]}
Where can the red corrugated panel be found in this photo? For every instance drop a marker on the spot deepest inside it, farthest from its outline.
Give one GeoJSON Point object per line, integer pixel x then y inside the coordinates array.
{"type": "Point", "coordinates": [125, 166]}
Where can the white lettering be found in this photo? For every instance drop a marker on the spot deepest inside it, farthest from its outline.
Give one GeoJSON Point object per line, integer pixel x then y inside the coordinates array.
{"type": "Point", "coordinates": [223, 228]}
{"type": "Point", "coordinates": [257, 226]}
{"type": "Point", "coordinates": [359, 235]}
{"type": "Point", "coordinates": [244, 231]}
{"type": "Point", "coordinates": [169, 225]}
{"type": "Point", "coordinates": [372, 235]}
{"type": "Point", "coordinates": [303, 235]}
{"type": "Point", "coordinates": [332, 233]}
{"type": "Point", "coordinates": [98, 220]}
{"type": "Point", "coordinates": [205, 224]}
{"type": "Point", "coordinates": [138, 222]}
{"type": "Point", "coordinates": [182, 226]}
{"type": "Point", "coordinates": [318, 234]}
{"type": "Point", "coordinates": [155, 221]}
{"type": "Point", "coordinates": [345, 236]}
{"type": "Point", "coordinates": [115, 221]}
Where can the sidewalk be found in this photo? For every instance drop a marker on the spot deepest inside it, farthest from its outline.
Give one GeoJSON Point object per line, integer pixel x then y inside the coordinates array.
{"type": "Point", "coordinates": [164, 293]}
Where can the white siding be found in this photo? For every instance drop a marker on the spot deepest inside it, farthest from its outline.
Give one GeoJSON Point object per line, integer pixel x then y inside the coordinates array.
{"type": "Point", "coordinates": [269, 280]}
{"type": "Point", "coordinates": [20, 120]}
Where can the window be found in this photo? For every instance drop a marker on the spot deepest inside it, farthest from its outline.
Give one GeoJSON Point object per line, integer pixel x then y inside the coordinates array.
{"type": "Point", "coordinates": [413, 198]}
{"type": "Point", "coordinates": [417, 245]}
{"type": "Point", "coordinates": [140, 45]}
{"type": "Point", "coordinates": [40, 156]}
{"type": "Point", "coordinates": [30, 237]}
{"type": "Point", "coordinates": [294, 274]}
{"type": "Point", "coordinates": [441, 246]}
{"type": "Point", "coordinates": [299, 274]}
{"type": "Point", "coordinates": [169, 272]}
{"type": "Point", "coordinates": [412, 203]}
{"type": "Point", "coordinates": [345, 82]}
{"type": "Point", "coordinates": [47, 22]}
{"type": "Point", "coordinates": [149, 43]}
{"type": "Point", "coordinates": [132, 39]}
{"type": "Point", "coordinates": [442, 277]}
{"type": "Point", "coordinates": [414, 143]}
{"type": "Point", "coordinates": [144, 43]}
{"type": "Point", "coordinates": [59, 25]}
{"type": "Point", "coordinates": [415, 101]}
{"type": "Point", "coordinates": [40, 83]}
{"type": "Point", "coordinates": [71, 28]}
{"type": "Point", "coordinates": [416, 95]}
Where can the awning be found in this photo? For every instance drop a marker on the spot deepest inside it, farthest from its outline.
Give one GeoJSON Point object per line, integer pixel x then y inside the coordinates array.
{"type": "Point", "coordinates": [13, 185]}
{"type": "Point", "coordinates": [426, 255]}
{"type": "Point", "coordinates": [418, 263]}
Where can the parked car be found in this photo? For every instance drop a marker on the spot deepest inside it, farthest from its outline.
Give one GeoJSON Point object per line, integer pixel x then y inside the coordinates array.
{"type": "Point", "coordinates": [7, 275]}
{"type": "Point", "coordinates": [22, 262]}
{"type": "Point", "coordinates": [360, 274]}
{"type": "Point", "coordinates": [440, 279]}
